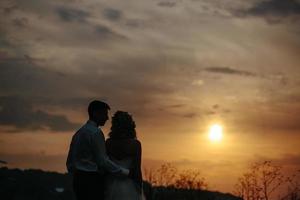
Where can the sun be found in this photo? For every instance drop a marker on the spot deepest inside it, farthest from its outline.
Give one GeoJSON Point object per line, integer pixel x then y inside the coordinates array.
{"type": "Point", "coordinates": [215, 133]}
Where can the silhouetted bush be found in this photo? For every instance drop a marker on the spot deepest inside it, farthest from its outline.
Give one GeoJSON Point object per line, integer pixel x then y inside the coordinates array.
{"type": "Point", "coordinates": [168, 175]}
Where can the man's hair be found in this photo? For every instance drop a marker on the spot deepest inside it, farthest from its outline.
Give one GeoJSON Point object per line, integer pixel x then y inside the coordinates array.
{"type": "Point", "coordinates": [97, 106]}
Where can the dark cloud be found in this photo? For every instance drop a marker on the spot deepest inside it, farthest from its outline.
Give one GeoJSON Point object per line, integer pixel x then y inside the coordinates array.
{"type": "Point", "coordinates": [8, 7]}
{"type": "Point", "coordinates": [273, 11]}
{"type": "Point", "coordinates": [21, 22]}
{"type": "Point", "coordinates": [71, 14]}
{"type": "Point", "coordinates": [22, 116]}
{"type": "Point", "coordinates": [107, 33]}
{"type": "Point", "coordinates": [3, 162]}
{"type": "Point", "coordinates": [228, 70]}
{"type": "Point", "coordinates": [5, 59]}
{"type": "Point", "coordinates": [112, 14]}
{"type": "Point", "coordinates": [20, 75]}
{"type": "Point", "coordinates": [71, 27]}
{"type": "Point", "coordinates": [112, 82]}
{"type": "Point", "coordinates": [276, 7]}
{"type": "Point", "coordinates": [167, 4]}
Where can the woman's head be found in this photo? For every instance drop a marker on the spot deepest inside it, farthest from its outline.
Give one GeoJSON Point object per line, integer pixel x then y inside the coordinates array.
{"type": "Point", "coordinates": [123, 126]}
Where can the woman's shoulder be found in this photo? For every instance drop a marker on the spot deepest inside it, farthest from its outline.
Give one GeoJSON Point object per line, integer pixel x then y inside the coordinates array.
{"type": "Point", "coordinates": [134, 143]}
{"type": "Point", "coordinates": [123, 140]}
{"type": "Point", "coordinates": [121, 148]}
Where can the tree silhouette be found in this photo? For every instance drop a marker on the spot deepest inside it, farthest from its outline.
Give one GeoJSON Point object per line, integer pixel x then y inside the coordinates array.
{"type": "Point", "coordinates": [293, 187]}
{"type": "Point", "coordinates": [262, 180]}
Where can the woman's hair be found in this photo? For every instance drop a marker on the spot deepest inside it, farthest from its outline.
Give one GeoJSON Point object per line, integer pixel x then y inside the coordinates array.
{"type": "Point", "coordinates": [122, 126]}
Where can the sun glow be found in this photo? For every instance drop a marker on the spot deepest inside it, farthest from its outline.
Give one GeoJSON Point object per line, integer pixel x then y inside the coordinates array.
{"type": "Point", "coordinates": [215, 133]}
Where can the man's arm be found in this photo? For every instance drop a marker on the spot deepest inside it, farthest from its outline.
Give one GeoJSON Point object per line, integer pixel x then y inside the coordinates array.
{"type": "Point", "coordinates": [98, 146]}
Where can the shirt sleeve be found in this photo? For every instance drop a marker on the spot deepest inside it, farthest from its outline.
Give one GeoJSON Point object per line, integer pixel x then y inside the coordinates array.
{"type": "Point", "coordinates": [69, 162]}
{"type": "Point", "coordinates": [102, 160]}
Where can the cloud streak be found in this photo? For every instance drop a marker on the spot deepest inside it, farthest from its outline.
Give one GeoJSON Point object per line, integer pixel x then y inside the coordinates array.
{"type": "Point", "coordinates": [230, 71]}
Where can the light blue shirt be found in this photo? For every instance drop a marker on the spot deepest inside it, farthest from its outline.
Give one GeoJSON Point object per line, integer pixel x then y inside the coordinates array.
{"type": "Point", "coordinates": [88, 153]}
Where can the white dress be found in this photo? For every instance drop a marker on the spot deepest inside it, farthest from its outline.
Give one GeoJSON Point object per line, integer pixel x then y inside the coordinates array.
{"type": "Point", "coordinates": [120, 187]}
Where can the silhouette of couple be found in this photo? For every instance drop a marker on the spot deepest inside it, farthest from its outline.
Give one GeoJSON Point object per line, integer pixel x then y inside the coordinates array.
{"type": "Point", "coordinates": [110, 169]}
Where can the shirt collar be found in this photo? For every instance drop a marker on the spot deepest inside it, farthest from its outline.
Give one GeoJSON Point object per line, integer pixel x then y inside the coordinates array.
{"type": "Point", "coordinates": [92, 123]}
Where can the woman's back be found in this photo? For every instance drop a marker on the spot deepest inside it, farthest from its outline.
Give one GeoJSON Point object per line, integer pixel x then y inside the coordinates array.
{"type": "Point", "coordinates": [124, 149]}
{"type": "Point", "coordinates": [126, 153]}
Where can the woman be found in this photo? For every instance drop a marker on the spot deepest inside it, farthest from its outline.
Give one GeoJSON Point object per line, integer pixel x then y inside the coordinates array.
{"type": "Point", "coordinates": [125, 150]}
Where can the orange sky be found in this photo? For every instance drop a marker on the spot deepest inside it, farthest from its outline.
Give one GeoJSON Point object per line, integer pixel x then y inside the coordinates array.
{"type": "Point", "coordinates": [176, 66]}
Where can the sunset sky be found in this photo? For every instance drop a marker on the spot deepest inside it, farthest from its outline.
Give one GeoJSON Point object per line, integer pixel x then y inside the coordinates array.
{"type": "Point", "coordinates": [178, 66]}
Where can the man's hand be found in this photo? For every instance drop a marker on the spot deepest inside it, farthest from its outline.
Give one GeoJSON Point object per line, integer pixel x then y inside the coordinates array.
{"type": "Point", "coordinates": [125, 171]}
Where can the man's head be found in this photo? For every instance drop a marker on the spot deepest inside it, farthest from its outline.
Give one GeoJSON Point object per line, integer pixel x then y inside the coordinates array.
{"type": "Point", "coordinates": [98, 112]}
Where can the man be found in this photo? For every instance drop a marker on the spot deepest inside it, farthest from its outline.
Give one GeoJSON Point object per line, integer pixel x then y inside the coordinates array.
{"type": "Point", "coordinates": [87, 159]}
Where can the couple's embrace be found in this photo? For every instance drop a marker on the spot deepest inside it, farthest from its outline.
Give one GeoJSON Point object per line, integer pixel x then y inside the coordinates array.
{"type": "Point", "coordinates": [110, 169]}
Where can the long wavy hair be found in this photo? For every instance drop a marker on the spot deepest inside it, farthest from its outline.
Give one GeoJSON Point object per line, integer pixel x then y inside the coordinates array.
{"type": "Point", "coordinates": [123, 126]}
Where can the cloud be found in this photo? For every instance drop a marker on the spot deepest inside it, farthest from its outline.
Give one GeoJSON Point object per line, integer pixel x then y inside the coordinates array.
{"type": "Point", "coordinates": [228, 70]}
{"type": "Point", "coordinates": [205, 164]}
{"type": "Point", "coordinates": [210, 112]}
{"type": "Point", "coordinates": [276, 7]}
{"type": "Point", "coordinates": [267, 118]}
{"type": "Point", "coordinates": [9, 8]}
{"type": "Point", "coordinates": [3, 162]}
{"type": "Point", "coordinates": [31, 80]}
{"type": "Point", "coordinates": [22, 116]}
{"type": "Point", "coordinates": [216, 106]}
{"type": "Point", "coordinates": [167, 4]}
{"type": "Point", "coordinates": [177, 106]}
{"type": "Point", "coordinates": [45, 88]}
{"type": "Point", "coordinates": [21, 22]}
{"type": "Point", "coordinates": [112, 14]}
{"type": "Point", "coordinates": [285, 160]}
{"type": "Point", "coordinates": [190, 115]}
{"type": "Point", "coordinates": [72, 14]}
{"type": "Point", "coordinates": [107, 33]}
{"type": "Point", "coordinates": [273, 11]}
{"type": "Point", "coordinates": [76, 52]}
{"type": "Point", "coordinates": [289, 159]}
{"type": "Point", "coordinates": [88, 33]}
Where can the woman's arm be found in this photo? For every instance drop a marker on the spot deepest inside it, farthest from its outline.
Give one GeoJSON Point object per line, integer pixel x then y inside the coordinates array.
{"type": "Point", "coordinates": [137, 168]}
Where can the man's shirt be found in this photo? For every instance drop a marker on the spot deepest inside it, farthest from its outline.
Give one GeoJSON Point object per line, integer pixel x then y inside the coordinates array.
{"type": "Point", "coordinates": [87, 151]}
